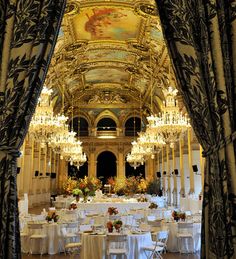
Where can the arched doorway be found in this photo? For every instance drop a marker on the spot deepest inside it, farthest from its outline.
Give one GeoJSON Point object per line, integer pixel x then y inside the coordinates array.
{"type": "Point", "coordinates": [106, 166]}
{"type": "Point", "coordinates": [130, 171]}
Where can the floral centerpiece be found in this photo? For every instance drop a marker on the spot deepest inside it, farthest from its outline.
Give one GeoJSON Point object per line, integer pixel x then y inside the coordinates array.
{"type": "Point", "coordinates": [110, 226]}
{"type": "Point", "coordinates": [69, 185]}
{"type": "Point", "coordinates": [142, 186]}
{"type": "Point", "coordinates": [72, 206]}
{"type": "Point", "coordinates": [142, 199]}
{"type": "Point", "coordinates": [178, 215]}
{"type": "Point", "coordinates": [52, 216]}
{"type": "Point", "coordinates": [112, 182]}
{"type": "Point", "coordinates": [77, 193]}
{"type": "Point", "coordinates": [132, 183]}
{"type": "Point", "coordinates": [88, 186]}
{"type": "Point", "coordinates": [112, 211]}
{"type": "Point", "coordinates": [153, 205]}
{"type": "Point", "coordinates": [120, 186]}
{"type": "Point", "coordinates": [117, 225]}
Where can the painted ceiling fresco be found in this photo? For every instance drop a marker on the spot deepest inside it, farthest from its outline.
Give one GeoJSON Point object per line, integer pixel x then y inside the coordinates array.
{"type": "Point", "coordinates": [115, 47]}
{"type": "Point", "coordinates": [106, 23]}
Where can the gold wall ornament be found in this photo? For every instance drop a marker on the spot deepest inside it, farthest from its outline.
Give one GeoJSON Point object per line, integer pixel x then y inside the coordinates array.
{"type": "Point", "coordinates": [107, 97]}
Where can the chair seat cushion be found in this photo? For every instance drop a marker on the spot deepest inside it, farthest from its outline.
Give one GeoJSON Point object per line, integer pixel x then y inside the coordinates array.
{"type": "Point", "coordinates": [117, 251]}
{"type": "Point", "coordinates": [158, 243]}
{"type": "Point", "coordinates": [38, 236]}
{"type": "Point", "coordinates": [22, 234]}
{"type": "Point", "coordinates": [73, 245]}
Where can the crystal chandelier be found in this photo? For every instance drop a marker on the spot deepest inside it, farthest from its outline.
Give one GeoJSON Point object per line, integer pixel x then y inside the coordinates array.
{"type": "Point", "coordinates": [72, 152]}
{"type": "Point", "coordinates": [151, 142]}
{"type": "Point", "coordinates": [136, 157]}
{"type": "Point", "coordinates": [61, 140]}
{"type": "Point", "coordinates": [170, 124]}
{"type": "Point", "coordinates": [135, 160]}
{"type": "Point", "coordinates": [44, 124]}
{"type": "Point", "coordinates": [78, 159]}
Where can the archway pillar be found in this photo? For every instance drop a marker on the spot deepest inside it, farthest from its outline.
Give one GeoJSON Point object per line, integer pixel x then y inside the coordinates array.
{"type": "Point", "coordinates": [92, 172]}
{"type": "Point", "coordinates": [150, 168]}
{"type": "Point", "coordinates": [121, 166]}
{"type": "Point", "coordinates": [62, 173]}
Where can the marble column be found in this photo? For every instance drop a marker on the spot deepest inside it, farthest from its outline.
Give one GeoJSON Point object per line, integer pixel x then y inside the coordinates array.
{"type": "Point", "coordinates": [181, 168]}
{"type": "Point", "coordinates": [121, 164]}
{"type": "Point", "coordinates": [168, 175]}
{"type": "Point", "coordinates": [190, 162]}
{"type": "Point", "coordinates": [150, 168]}
{"type": "Point", "coordinates": [202, 164]}
{"type": "Point", "coordinates": [62, 173]}
{"type": "Point", "coordinates": [163, 169]}
{"type": "Point", "coordinates": [175, 190]}
{"type": "Point", "coordinates": [92, 164]}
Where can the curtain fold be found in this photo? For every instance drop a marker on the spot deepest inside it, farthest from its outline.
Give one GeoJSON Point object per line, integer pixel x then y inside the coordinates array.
{"type": "Point", "coordinates": [200, 37]}
{"type": "Point", "coordinates": [28, 33]}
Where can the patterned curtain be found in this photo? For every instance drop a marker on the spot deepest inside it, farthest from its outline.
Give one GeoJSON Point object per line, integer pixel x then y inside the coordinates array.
{"type": "Point", "coordinates": [201, 38]}
{"type": "Point", "coordinates": [28, 32]}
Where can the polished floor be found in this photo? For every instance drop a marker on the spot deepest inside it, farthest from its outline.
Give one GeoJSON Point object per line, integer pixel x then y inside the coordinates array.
{"type": "Point", "coordinates": [37, 210]}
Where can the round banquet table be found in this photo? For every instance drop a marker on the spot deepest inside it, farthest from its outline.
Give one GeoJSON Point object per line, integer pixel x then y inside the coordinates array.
{"type": "Point", "coordinates": [93, 245]}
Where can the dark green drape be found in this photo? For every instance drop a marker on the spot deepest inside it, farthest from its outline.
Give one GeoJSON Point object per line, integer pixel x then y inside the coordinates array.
{"type": "Point", "coordinates": [28, 32]}
{"type": "Point", "coordinates": [201, 38]}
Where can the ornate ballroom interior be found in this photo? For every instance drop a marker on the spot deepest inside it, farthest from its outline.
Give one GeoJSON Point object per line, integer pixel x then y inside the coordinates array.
{"type": "Point", "coordinates": [118, 93]}
{"type": "Point", "coordinates": [107, 83]}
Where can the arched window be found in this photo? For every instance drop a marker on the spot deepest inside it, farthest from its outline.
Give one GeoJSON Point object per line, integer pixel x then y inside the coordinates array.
{"type": "Point", "coordinates": [80, 126]}
{"type": "Point", "coordinates": [106, 124]}
{"type": "Point", "coordinates": [132, 126]}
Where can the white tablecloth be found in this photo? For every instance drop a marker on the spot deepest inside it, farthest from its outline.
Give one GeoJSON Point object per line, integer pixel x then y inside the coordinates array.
{"type": "Point", "coordinates": [52, 245]}
{"type": "Point", "coordinates": [102, 207]}
{"type": "Point", "coordinates": [63, 202]}
{"type": "Point", "coordinates": [93, 246]}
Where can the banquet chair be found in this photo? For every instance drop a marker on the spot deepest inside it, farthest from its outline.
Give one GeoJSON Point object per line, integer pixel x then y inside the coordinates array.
{"type": "Point", "coordinates": [155, 225]}
{"type": "Point", "coordinates": [153, 250]}
{"type": "Point", "coordinates": [73, 248]}
{"type": "Point", "coordinates": [71, 236]}
{"type": "Point", "coordinates": [117, 244]}
{"type": "Point", "coordinates": [185, 233]}
{"type": "Point", "coordinates": [162, 238]}
{"type": "Point", "coordinates": [36, 233]}
{"type": "Point", "coordinates": [23, 238]}
{"type": "Point", "coordinates": [70, 233]}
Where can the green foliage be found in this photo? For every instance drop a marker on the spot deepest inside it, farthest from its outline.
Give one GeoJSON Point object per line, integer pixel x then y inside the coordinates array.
{"type": "Point", "coordinates": [77, 191]}
{"type": "Point", "coordinates": [153, 187]}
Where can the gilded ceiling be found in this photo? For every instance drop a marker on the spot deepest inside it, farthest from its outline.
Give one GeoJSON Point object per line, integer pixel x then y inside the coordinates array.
{"type": "Point", "coordinates": [109, 54]}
